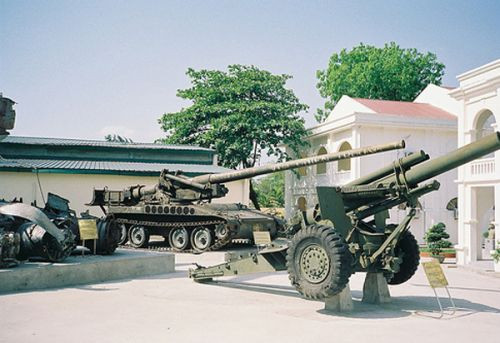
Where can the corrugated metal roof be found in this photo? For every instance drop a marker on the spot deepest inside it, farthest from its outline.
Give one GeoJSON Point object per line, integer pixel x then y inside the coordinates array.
{"type": "Point", "coordinates": [111, 166]}
{"type": "Point", "coordinates": [96, 143]}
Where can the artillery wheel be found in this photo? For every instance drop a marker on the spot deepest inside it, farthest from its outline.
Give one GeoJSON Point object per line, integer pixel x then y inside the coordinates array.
{"type": "Point", "coordinates": [178, 238]}
{"type": "Point", "coordinates": [123, 234]}
{"type": "Point", "coordinates": [201, 239]}
{"type": "Point", "coordinates": [138, 236]}
{"type": "Point", "coordinates": [318, 262]}
{"type": "Point", "coordinates": [407, 247]}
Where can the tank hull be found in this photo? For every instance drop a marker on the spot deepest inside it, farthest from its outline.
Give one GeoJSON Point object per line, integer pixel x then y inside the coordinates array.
{"type": "Point", "coordinates": [180, 224]}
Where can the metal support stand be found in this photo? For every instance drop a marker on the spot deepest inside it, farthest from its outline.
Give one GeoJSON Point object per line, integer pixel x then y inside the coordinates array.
{"type": "Point", "coordinates": [437, 279]}
{"type": "Point", "coordinates": [375, 289]}
{"type": "Point", "coordinates": [341, 302]}
{"type": "Point", "coordinates": [442, 313]}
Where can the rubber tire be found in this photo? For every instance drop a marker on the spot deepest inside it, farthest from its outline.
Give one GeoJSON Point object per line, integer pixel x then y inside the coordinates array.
{"type": "Point", "coordinates": [338, 254]}
{"type": "Point", "coordinates": [411, 259]}
{"type": "Point", "coordinates": [143, 243]}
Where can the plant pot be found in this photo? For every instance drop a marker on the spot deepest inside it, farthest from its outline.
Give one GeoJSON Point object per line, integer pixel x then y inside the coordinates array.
{"type": "Point", "coordinates": [445, 254]}
{"type": "Point", "coordinates": [440, 258]}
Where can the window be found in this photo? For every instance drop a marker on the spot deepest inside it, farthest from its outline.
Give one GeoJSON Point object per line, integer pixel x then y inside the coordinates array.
{"type": "Point", "coordinates": [302, 203]}
{"type": "Point", "coordinates": [344, 165]}
{"type": "Point", "coordinates": [321, 167]}
{"type": "Point", "coordinates": [302, 170]}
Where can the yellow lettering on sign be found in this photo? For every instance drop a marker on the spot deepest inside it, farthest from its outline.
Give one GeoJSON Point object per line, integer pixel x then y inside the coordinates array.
{"type": "Point", "coordinates": [261, 237]}
{"type": "Point", "coordinates": [435, 274]}
{"type": "Point", "coordinates": [88, 229]}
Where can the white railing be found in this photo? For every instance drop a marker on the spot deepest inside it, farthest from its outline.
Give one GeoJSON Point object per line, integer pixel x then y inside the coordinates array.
{"type": "Point", "coordinates": [482, 168]}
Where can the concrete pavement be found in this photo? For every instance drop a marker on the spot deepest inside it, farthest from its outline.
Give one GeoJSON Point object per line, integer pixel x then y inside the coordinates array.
{"type": "Point", "coordinates": [255, 308]}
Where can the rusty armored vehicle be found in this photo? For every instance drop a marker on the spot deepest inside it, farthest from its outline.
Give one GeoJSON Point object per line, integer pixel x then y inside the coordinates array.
{"type": "Point", "coordinates": [348, 231]}
{"type": "Point", "coordinates": [50, 233]}
{"type": "Point", "coordinates": [180, 209]}
{"type": "Point", "coordinates": [26, 230]}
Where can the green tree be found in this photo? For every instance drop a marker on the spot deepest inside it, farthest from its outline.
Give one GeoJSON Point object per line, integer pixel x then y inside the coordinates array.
{"type": "Point", "coordinates": [270, 190]}
{"type": "Point", "coordinates": [239, 113]}
{"type": "Point", "coordinates": [117, 138]}
{"type": "Point", "coordinates": [388, 73]}
{"type": "Point", "coordinates": [436, 237]}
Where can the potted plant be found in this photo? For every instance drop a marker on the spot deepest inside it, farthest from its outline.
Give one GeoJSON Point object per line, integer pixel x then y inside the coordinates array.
{"type": "Point", "coordinates": [436, 239]}
{"type": "Point", "coordinates": [496, 256]}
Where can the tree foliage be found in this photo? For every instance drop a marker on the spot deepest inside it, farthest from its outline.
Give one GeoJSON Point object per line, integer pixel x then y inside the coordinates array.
{"type": "Point", "coordinates": [388, 73]}
{"type": "Point", "coordinates": [436, 237]}
{"type": "Point", "coordinates": [117, 138]}
{"type": "Point", "coordinates": [271, 190]}
{"type": "Point", "coordinates": [239, 113]}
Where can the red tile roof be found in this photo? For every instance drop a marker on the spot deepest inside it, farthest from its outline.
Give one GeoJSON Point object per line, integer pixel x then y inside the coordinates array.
{"type": "Point", "coordinates": [404, 108]}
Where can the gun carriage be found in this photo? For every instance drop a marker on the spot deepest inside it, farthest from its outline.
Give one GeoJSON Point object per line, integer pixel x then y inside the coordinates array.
{"type": "Point", "coordinates": [347, 232]}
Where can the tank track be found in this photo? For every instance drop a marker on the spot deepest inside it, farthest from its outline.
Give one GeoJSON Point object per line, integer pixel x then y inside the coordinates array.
{"type": "Point", "coordinates": [214, 247]}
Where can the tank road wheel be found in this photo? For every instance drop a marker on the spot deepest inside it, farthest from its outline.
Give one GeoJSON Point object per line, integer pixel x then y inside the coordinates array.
{"type": "Point", "coordinates": [123, 234]}
{"type": "Point", "coordinates": [201, 239]}
{"type": "Point", "coordinates": [221, 231]}
{"type": "Point", "coordinates": [318, 262]}
{"type": "Point", "coordinates": [179, 238]}
{"type": "Point", "coordinates": [407, 247]}
{"type": "Point", "coordinates": [138, 236]}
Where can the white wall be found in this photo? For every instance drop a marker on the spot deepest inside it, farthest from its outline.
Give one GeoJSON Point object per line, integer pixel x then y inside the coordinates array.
{"type": "Point", "coordinates": [479, 90]}
{"type": "Point", "coordinates": [435, 140]}
{"type": "Point", "coordinates": [77, 188]}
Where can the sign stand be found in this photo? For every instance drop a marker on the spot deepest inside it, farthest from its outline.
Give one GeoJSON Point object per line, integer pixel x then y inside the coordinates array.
{"type": "Point", "coordinates": [436, 279]}
{"type": "Point", "coordinates": [88, 230]}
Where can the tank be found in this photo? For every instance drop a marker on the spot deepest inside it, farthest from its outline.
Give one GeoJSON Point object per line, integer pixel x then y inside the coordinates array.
{"type": "Point", "coordinates": [180, 208]}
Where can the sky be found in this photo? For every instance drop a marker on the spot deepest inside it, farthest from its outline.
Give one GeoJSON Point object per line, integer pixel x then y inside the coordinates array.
{"type": "Point", "coordinates": [84, 69]}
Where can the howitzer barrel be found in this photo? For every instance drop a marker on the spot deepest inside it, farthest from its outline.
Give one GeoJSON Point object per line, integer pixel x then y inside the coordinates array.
{"type": "Point", "coordinates": [304, 162]}
{"type": "Point", "coordinates": [405, 162]}
{"type": "Point", "coordinates": [456, 158]}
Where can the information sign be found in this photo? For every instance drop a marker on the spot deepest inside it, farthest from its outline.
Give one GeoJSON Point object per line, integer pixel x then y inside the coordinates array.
{"type": "Point", "coordinates": [435, 274]}
{"type": "Point", "coordinates": [88, 229]}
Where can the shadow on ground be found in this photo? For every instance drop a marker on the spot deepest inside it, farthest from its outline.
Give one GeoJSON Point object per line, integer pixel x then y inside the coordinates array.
{"type": "Point", "coordinates": [401, 306]}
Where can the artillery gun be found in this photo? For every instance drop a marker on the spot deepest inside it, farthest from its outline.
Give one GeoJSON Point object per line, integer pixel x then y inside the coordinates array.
{"type": "Point", "coordinates": [347, 232]}
{"type": "Point", "coordinates": [180, 209]}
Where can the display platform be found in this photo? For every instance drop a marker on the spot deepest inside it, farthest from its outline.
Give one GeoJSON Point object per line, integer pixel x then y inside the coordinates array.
{"type": "Point", "coordinates": [88, 269]}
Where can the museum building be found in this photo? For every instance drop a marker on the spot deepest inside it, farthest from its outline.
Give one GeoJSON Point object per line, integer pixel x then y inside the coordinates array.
{"type": "Point", "coordinates": [72, 168]}
{"type": "Point", "coordinates": [429, 123]}
{"type": "Point", "coordinates": [479, 181]}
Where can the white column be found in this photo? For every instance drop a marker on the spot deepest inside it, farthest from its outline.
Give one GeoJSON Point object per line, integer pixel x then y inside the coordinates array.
{"type": "Point", "coordinates": [467, 245]}
{"type": "Point", "coordinates": [470, 136]}
{"type": "Point", "coordinates": [462, 244]}
{"type": "Point", "coordinates": [497, 222]}
{"type": "Point", "coordinates": [356, 144]}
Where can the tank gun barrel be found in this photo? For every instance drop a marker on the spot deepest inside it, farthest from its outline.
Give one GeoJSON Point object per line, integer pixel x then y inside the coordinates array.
{"type": "Point", "coordinates": [304, 162]}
